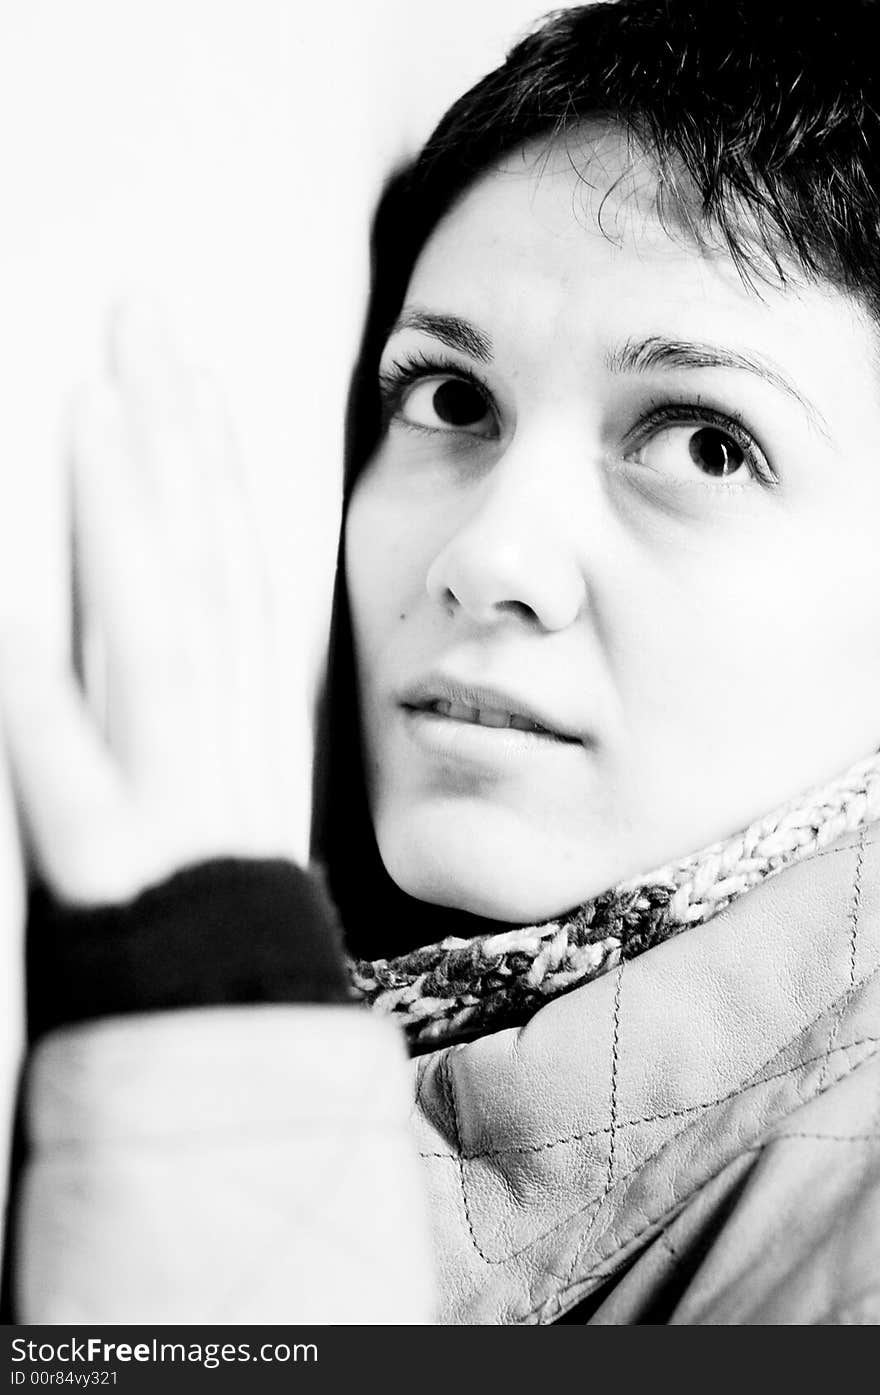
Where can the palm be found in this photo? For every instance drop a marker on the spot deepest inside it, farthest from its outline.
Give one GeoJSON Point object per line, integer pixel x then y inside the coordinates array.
{"type": "Point", "coordinates": [174, 743]}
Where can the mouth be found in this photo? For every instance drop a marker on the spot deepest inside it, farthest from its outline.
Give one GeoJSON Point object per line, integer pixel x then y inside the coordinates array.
{"type": "Point", "coordinates": [495, 717]}
{"type": "Point", "coordinates": [460, 703]}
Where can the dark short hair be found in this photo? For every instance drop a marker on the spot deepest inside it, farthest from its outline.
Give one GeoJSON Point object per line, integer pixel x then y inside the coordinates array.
{"type": "Point", "coordinates": [763, 108]}
{"type": "Point", "coordinates": [761, 116]}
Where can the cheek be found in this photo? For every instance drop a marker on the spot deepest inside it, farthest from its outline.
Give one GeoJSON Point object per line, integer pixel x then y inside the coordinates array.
{"type": "Point", "coordinates": [753, 662]}
{"type": "Point", "coordinates": [693, 641]}
{"type": "Point", "coordinates": [386, 564]}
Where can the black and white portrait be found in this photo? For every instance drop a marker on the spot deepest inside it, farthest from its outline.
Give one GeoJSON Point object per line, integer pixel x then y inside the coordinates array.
{"type": "Point", "coordinates": [440, 663]}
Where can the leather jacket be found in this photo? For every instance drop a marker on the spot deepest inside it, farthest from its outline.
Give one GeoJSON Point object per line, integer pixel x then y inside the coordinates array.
{"type": "Point", "coordinates": [694, 1138]}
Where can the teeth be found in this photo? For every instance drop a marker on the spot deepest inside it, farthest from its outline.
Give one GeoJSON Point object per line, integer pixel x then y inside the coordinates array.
{"type": "Point", "coordinates": [491, 717]}
{"type": "Point", "coordinates": [523, 724]}
{"type": "Point", "coordinates": [485, 716]}
{"type": "Point", "coordinates": [460, 713]}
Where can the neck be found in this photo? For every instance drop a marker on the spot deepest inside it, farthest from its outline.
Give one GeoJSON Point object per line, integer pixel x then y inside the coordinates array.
{"type": "Point", "coordinates": [459, 986]}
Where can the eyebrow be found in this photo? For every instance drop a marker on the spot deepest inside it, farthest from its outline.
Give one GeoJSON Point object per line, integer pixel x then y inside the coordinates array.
{"type": "Point", "coordinates": [646, 355]}
{"type": "Point", "coordinates": [452, 331]}
{"type": "Point", "coordinates": [633, 356]}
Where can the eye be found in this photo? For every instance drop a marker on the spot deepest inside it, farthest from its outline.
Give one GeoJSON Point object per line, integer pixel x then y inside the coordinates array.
{"type": "Point", "coordinates": [711, 450]}
{"type": "Point", "coordinates": [691, 442]}
{"type": "Point", "coordinates": [715, 453]}
{"type": "Point", "coordinates": [425, 393]}
{"type": "Point", "coordinates": [446, 404]}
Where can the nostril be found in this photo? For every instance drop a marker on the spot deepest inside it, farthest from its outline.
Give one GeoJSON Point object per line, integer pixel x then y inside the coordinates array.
{"type": "Point", "coordinates": [448, 600]}
{"type": "Point", "coordinates": [519, 609]}
{"type": "Point", "coordinates": [491, 574]}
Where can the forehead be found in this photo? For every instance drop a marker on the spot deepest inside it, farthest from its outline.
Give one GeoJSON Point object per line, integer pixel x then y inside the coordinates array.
{"type": "Point", "coordinates": [564, 244]}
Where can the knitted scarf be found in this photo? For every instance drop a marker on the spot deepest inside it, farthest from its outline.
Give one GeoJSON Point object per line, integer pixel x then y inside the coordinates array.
{"type": "Point", "coordinates": [459, 989]}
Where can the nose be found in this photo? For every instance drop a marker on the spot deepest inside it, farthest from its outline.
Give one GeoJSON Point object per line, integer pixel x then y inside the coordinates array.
{"type": "Point", "coordinates": [515, 551]}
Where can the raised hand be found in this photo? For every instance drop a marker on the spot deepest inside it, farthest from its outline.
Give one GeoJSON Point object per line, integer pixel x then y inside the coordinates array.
{"type": "Point", "coordinates": [165, 741]}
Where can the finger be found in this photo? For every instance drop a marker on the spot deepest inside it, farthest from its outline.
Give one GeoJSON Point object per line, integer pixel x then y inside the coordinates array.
{"type": "Point", "coordinates": [203, 706]}
{"type": "Point", "coordinates": [156, 391]}
{"type": "Point", "coordinates": [145, 364]}
{"type": "Point", "coordinates": [172, 655]}
{"type": "Point", "coordinates": [185, 445]}
{"type": "Point", "coordinates": [87, 646]}
{"type": "Point", "coordinates": [126, 590]}
{"type": "Point", "coordinates": [247, 619]}
{"type": "Point", "coordinates": [75, 809]}
{"type": "Point", "coordinates": [114, 525]}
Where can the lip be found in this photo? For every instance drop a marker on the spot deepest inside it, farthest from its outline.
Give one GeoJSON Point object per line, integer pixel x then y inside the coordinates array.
{"type": "Point", "coordinates": [418, 696]}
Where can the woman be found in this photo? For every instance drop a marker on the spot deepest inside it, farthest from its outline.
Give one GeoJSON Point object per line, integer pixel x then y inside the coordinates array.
{"type": "Point", "coordinates": [611, 581]}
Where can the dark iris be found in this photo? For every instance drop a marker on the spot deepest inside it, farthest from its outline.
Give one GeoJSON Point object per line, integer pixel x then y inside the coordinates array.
{"type": "Point", "coordinates": [458, 404]}
{"type": "Point", "coordinates": [714, 452]}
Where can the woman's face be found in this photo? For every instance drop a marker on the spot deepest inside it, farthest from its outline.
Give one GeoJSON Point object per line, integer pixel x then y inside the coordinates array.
{"type": "Point", "coordinates": [614, 566]}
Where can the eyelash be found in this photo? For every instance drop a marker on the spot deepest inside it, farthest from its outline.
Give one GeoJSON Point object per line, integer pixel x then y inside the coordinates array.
{"type": "Point", "coordinates": [401, 374]}
{"type": "Point", "coordinates": [696, 413]}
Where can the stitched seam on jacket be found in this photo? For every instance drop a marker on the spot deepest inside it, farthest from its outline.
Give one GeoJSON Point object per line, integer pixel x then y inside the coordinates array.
{"type": "Point", "coordinates": [678, 1134]}
{"type": "Point", "coordinates": [831, 1137]}
{"type": "Point", "coordinates": [593, 1206]}
{"type": "Point", "coordinates": [668, 1220]}
{"type": "Point", "coordinates": [452, 1104]}
{"type": "Point", "coordinates": [609, 1171]}
{"type": "Point", "coordinates": [854, 918]}
{"type": "Point", "coordinates": [525, 1149]}
{"type": "Point", "coordinates": [870, 833]}
{"type": "Point", "coordinates": [670, 1210]}
{"type": "Point", "coordinates": [607, 1267]}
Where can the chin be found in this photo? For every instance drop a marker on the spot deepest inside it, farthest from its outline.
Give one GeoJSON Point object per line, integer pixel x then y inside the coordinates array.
{"type": "Point", "coordinates": [489, 865]}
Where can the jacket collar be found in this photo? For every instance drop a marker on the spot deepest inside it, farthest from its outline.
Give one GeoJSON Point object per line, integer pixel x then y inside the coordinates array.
{"type": "Point", "coordinates": [555, 1151]}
